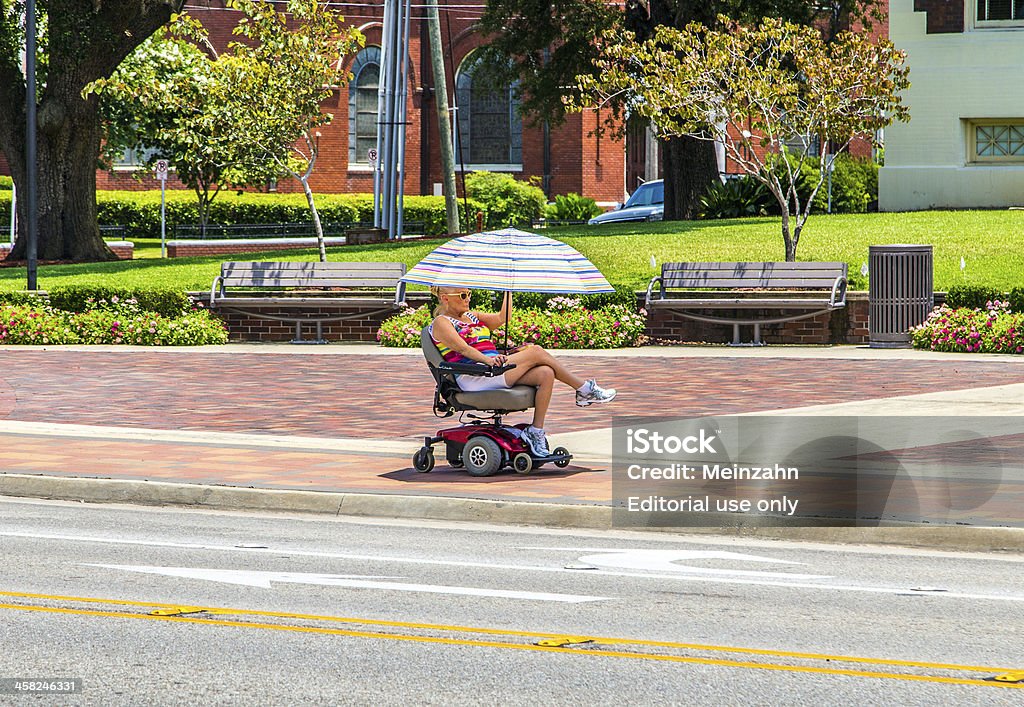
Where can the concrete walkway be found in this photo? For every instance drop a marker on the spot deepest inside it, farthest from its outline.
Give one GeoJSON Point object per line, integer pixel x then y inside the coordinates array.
{"type": "Point", "coordinates": [333, 428]}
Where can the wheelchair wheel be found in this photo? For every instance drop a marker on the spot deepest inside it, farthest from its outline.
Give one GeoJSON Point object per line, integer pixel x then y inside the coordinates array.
{"type": "Point", "coordinates": [562, 463]}
{"type": "Point", "coordinates": [482, 456]}
{"type": "Point", "coordinates": [522, 463]}
{"type": "Point", "coordinates": [423, 459]}
{"type": "Point", "coordinates": [453, 453]}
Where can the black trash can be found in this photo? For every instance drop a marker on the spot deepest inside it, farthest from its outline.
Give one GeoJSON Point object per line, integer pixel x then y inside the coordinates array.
{"type": "Point", "coordinates": [900, 292]}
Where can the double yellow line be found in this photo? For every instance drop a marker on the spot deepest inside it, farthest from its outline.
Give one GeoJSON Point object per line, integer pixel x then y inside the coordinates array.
{"type": "Point", "coordinates": [550, 642]}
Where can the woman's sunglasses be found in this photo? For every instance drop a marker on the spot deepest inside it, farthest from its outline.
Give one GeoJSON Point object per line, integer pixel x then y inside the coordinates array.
{"type": "Point", "coordinates": [463, 295]}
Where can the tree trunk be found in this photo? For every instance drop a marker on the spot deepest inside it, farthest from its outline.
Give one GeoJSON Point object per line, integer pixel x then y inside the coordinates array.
{"type": "Point", "coordinates": [317, 226]}
{"type": "Point", "coordinates": [67, 145]}
{"type": "Point", "coordinates": [790, 243]}
{"type": "Point", "coordinates": [690, 167]}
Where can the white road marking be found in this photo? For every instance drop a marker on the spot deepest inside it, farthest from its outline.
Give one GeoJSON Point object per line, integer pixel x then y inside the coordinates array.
{"type": "Point", "coordinates": [666, 561]}
{"type": "Point", "coordinates": [264, 580]}
{"type": "Point", "coordinates": [519, 568]}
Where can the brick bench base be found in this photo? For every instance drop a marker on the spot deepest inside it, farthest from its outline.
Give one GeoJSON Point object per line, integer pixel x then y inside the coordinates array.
{"type": "Point", "coordinates": [124, 250]}
{"type": "Point", "coordinates": [227, 246]}
{"type": "Point", "coordinates": [843, 326]}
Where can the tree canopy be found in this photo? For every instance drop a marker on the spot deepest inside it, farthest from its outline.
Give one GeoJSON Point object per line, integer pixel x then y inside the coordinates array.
{"type": "Point", "coordinates": [543, 46]}
{"type": "Point", "coordinates": [756, 90]}
{"type": "Point", "coordinates": [241, 117]}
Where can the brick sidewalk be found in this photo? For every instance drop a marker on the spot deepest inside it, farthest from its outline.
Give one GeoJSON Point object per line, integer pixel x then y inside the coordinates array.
{"type": "Point", "coordinates": [387, 399]}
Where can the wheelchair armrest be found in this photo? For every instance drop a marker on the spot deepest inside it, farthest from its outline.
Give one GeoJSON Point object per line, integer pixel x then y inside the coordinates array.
{"type": "Point", "coordinates": [475, 369]}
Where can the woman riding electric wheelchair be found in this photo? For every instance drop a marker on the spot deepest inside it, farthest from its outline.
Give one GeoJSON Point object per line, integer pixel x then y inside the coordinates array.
{"type": "Point", "coordinates": [484, 446]}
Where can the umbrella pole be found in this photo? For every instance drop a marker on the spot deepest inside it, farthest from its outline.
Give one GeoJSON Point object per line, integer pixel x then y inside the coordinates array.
{"type": "Point", "coordinates": [508, 312]}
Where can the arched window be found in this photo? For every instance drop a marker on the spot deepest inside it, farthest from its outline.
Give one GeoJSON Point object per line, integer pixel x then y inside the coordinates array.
{"type": "Point", "coordinates": [490, 128]}
{"type": "Point", "coordinates": [362, 105]}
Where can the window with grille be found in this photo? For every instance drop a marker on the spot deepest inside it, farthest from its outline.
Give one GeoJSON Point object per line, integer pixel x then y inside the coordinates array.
{"type": "Point", "coordinates": [994, 13]}
{"type": "Point", "coordinates": [997, 142]}
{"type": "Point", "coordinates": [490, 128]}
{"type": "Point", "coordinates": [362, 105]}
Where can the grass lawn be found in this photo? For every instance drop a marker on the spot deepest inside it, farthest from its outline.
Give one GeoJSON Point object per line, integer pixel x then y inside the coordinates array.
{"type": "Point", "coordinates": [990, 242]}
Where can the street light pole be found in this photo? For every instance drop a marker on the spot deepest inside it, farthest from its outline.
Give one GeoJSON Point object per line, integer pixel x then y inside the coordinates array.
{"type": "Point", "coordinates": [32, 217]}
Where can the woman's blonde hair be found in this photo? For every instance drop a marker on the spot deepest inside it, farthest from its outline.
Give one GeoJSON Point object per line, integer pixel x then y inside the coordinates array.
{"type": "Point", "coordinates": [437, 291]}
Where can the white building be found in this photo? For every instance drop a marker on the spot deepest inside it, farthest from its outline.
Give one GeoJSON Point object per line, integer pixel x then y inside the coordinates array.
{"type": "Point", "coordinates": [964, 144]}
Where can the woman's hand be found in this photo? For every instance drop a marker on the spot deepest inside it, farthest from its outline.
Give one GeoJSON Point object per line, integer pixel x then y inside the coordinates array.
{"type": "Point", "coordinates": [499, 360]}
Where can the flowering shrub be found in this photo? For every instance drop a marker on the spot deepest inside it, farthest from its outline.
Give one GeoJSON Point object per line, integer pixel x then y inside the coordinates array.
{"type": "Point", "coordinates": [991, 330]}
{"type": "Point", "coordinates": [403, 329]}
{"type": "Point", "coordinates": [35, 324]}
{"type": "Point", "coordinates": [106, 322]}
{"type": "Point", "coordinates": [563, 304]}
{"type": "Point", "coordinates": [563, 326]}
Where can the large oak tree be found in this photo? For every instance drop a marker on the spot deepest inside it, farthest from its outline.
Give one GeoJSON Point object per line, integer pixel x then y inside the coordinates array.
{"type": "Point", "coordinates": [81, 41]}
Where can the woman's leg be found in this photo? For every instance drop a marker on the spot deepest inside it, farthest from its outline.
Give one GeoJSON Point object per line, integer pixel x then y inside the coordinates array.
{"type": "Point", "coordinates": [544, 378]}
{"type": "Point", "coordinates": [533, 356]}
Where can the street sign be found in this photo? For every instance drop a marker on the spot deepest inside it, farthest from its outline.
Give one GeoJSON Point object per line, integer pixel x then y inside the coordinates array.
{"type": "Point", "coordinates": [371, 156]}
{"type": "Point", "coordinates": [162, 167]}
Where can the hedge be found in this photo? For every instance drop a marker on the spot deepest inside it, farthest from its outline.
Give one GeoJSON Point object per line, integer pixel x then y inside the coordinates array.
{"type": "Point", "coordinates": [81, 298]}
{"type": "Point", "coordinates": [139, 211]}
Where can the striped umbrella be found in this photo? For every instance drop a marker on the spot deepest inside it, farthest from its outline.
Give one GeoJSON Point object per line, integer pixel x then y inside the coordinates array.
{"type": "Point", "coordinates": [510, 261]}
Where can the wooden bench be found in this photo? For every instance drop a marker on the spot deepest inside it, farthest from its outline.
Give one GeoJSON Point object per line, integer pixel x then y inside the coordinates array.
{"type": "Point", "coordinates": [811, 289]}
{"type": "Point", "coordinates": [295, 286]}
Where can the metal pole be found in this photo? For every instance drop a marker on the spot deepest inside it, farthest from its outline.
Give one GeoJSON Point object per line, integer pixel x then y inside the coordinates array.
{"type": "Point", "coordinates": [382, 83]}
{"type": "Point", "coordinates": [391, 73]}
{"type": "Point", "coordinates": [32, 221]}
{"type": "Point", "coordinates": [451, 204]}
{"type": "Point", "coordinates": [400, 131]}
{"type": "Point", "coordinates": [163, 219]}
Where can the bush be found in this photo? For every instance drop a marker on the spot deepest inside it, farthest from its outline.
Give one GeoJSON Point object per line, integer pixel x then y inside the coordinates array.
{"type": "Point", "coordinates": [81, 298]}
{"type": "Point", "coordinates": [854, 186]}
{"type": "Point", "coordinates": [971, 296]}
{"type": "Point", "coordinates": [854, 183]}
{"type": "Point", "coordinates": [576, 327]}
{"type": "Point", "coordinates": [139, 211]}
{"type": "Point", "coordinates": [737, 198]}
{"type": "Point", "coordinates": [565, 324]}
{"type": "Point", "coordinates": [110, 321]}
{"type": "Point", "coordinates": [35, 324]}
{"type": "Point", "coordinates": [572, 207]}
{"type": "Point", "coordinates": [6, 183]}
{"type": "Point", "coordinates": [1016, 299]}
{"type": "Point", "coordinates": [967, 330]}
{"type": "Point", "coordinates": [490, 301]}
{"type": "Point", "coordinates": [507, 201]}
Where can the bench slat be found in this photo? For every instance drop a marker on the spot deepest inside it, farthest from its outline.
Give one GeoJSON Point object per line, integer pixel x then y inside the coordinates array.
{"type": "Point", "coordinates": [306, 282]}
{"type": "Point", "coordinates": [300, 274]}
{"type": "Point", "coordinates": [243, 301]}
{"type": "Point", "coordinates": [740, 303]}
{"type": "Point", "coordinates": [735, 275]}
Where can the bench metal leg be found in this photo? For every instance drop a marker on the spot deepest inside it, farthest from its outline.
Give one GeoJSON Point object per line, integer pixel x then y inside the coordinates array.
{"type": "Point", "coordinates": [319, 334]}
{"type": "Point", "coordinates": [736, 335]}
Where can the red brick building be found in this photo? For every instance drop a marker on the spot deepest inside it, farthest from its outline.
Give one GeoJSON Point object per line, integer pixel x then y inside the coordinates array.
{"type": "Point", "coordinates": [491, 135]}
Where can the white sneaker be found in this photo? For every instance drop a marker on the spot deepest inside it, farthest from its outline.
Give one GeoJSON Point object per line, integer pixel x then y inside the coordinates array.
{"type": "Point", "coordinates": [592, 393]}
{"type": "Point", "coordinates": [536, 441]}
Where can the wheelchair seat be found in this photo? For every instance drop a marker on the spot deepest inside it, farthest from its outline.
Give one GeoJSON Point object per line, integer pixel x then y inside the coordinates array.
{"type": "Point", "coordinates": [449, 398]}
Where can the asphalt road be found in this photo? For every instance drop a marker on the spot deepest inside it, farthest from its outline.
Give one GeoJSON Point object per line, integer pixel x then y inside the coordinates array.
{"type": "Point", "coordinates": [161, 606]}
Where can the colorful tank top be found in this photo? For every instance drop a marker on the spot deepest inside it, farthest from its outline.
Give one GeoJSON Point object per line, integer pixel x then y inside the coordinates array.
{"type": "Point", "coordinates": [474, 333]}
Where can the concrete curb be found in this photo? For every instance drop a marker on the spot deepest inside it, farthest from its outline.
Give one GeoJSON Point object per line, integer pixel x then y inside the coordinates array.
{"type": "Point", "coordinates": [446, 508]}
